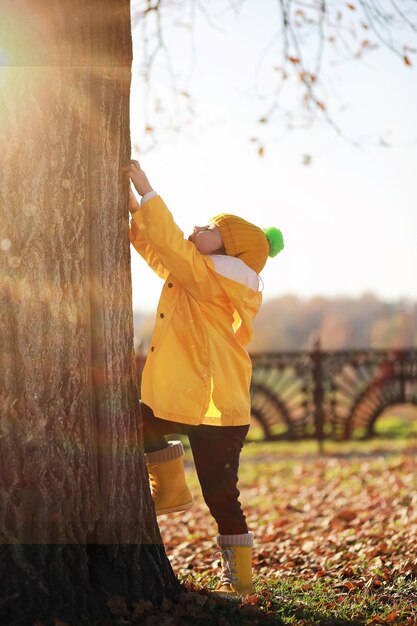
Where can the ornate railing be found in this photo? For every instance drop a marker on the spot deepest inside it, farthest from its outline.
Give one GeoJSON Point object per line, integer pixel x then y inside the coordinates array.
{"type": "Point", "coordinates": [329, 394]}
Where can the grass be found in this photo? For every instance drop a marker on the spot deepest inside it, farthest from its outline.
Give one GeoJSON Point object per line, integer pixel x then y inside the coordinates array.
{"type": "Point", "coordinates": [328, 602]}
{"type": "Point", "coordinates": [323, 602]}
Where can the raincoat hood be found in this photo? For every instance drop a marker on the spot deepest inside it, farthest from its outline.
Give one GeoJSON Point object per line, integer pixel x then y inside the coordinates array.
{"type": "Point", "coordinates": [235, 277]}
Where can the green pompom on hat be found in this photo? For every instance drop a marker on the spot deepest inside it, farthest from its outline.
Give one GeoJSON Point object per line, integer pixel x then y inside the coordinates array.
{"type": "Point", "coordinates": [244, 240]}
{"type": "Point", "coordinates": [275, 239]}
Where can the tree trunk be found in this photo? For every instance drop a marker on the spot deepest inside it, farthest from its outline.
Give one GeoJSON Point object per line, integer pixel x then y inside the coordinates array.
{"type": "Point", "coordinates": [77, 524]}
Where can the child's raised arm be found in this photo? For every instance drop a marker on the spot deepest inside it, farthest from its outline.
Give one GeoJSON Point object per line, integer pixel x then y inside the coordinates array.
{"type": "Point", "coordinates": [155, 226]}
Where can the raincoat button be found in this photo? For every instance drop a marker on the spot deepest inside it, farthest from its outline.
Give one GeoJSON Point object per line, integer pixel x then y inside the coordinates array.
{"type": "Point", "coordinates": [161, 315]}
{"type": "Point", "coordinates": [170, 285]}
{"type": "Point", "coordinates": [152, 349]}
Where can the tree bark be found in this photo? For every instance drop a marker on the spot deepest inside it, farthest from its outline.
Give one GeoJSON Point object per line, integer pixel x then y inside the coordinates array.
{"type": "Point", "coordinates": [77, 524]}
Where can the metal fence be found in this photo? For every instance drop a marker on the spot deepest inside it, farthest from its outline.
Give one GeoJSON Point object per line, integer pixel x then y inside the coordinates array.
{"type": "Point", "coordinates": [336, 394]}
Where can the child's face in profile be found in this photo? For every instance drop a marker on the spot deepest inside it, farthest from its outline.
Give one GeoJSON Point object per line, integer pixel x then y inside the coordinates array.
{"type": "Point", "coordinates": [207, 239]}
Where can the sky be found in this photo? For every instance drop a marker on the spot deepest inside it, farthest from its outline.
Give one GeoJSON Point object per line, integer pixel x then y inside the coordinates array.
{"type": "Point", "coordinates": [349, 218]}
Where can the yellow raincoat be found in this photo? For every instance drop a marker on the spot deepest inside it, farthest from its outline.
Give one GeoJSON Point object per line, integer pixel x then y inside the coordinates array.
{"type": "Point", "coordinates": [197, 370]}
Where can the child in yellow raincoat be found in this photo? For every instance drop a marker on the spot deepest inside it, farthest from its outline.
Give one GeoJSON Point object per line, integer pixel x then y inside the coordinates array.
{"type": "Point", "coordinates": [197, 374]}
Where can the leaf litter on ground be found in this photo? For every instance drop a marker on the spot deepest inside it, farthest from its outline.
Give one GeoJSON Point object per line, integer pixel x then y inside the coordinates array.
{"type": "Point", "coordinates": [335, 535]}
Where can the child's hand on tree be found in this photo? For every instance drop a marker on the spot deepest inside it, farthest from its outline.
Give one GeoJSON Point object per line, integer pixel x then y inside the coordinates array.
{"type": "Point", "coordinates": [138, 177]}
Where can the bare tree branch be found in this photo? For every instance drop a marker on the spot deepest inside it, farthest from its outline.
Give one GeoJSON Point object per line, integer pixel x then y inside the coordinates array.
{"type": "Point", "coordinates": [325, 25]}
{"type": "Point", "coordinates": [404, 16]}
{"type": "Point", "coordinates": [373, 19]}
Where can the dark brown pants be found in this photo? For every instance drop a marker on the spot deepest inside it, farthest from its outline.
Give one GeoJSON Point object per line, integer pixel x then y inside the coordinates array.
{"type": "Point", "coordinates": [216, 452]}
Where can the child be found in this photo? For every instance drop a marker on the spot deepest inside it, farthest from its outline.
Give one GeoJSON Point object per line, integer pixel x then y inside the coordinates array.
{"type": "Point", "coordinates": [197, 373]}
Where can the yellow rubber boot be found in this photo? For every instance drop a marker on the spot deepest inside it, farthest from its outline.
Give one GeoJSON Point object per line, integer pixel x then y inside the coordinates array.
{"type": "Point", "coordinates": [166, 474]}
{"type": "Point", "coordinates": [236, 577]}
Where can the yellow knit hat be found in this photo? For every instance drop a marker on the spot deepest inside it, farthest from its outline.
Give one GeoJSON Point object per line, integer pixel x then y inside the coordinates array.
{"type": "Point", "coordinates": [248, 242]}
